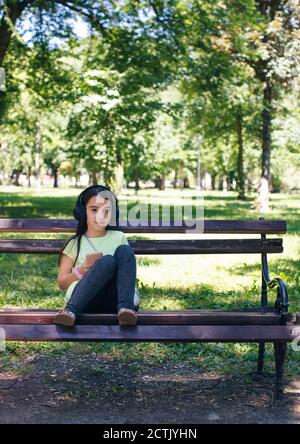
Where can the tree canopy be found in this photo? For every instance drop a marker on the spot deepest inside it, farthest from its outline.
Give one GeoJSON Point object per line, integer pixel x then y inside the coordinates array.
{"type": "Point", "coordinates": [129, 97]}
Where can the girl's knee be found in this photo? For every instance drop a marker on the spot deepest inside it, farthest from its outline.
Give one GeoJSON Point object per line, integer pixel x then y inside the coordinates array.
{"type": "Point", "coordinates": [108, 260]}
{"type": "Point", "coordinates": [124, 249]}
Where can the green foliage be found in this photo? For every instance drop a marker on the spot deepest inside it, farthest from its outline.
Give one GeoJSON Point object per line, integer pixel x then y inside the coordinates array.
{"type": "Point", "coordinates": [100, 102]}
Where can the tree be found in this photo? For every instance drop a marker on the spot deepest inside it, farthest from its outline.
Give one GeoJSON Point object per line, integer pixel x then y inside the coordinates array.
{"type": "Point", "coordinates": [264, 36]}
{"type": "Point", "coordinates": [59, 14]}
{"type": "Point", "coordinates": [42, 84]}
{"type": "Point", "coordinates": [115, 102]}
{"type": "Point", "coordinates": [258, 34]}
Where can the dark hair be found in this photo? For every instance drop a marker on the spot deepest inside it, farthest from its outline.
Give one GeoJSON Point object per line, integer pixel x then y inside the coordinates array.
{"type": "Point", "coordinates": [82, 222]}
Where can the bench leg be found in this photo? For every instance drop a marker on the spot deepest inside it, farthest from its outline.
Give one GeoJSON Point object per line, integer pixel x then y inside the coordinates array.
{"type": "Point", "coordinates": [261, 357]}
{"type": "Point", "coordinates": [280, 352]}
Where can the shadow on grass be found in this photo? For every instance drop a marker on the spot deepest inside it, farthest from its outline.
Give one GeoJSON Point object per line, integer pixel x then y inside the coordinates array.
{"type": "Point", "coordinates": [31, 281]}
{"type": "Point", "coordinates": [286, 269]}
{"type": "Point", "coordinates": [22, 206]}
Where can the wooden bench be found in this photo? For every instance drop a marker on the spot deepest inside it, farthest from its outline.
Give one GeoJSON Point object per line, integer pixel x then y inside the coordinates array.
{"type": "Point", "coordinates": [260, 325]}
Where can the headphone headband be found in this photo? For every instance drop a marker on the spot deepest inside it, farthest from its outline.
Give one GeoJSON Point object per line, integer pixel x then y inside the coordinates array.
{"type": "Point", "coordinates": [89, 188]}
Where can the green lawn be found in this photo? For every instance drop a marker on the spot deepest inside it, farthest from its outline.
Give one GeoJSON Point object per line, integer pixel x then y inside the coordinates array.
{"type": "Point", "coordinates": [165, 282]}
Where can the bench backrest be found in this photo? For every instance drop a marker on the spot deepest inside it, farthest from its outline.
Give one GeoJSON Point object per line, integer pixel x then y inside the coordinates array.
{"type": "Point", "coordinates": [148, 246]}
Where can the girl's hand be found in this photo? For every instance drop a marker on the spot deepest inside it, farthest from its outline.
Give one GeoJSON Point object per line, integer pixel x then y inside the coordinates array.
{"type": "Point", "coordinates": [84, 268]}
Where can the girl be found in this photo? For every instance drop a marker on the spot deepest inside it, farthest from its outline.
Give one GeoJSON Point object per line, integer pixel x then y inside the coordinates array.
{"type": "Point", "coordinates": [102, 282]}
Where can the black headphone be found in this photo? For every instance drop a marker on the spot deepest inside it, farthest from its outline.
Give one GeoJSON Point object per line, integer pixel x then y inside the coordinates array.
{"type": "Point", "coordinates": [79, 212]}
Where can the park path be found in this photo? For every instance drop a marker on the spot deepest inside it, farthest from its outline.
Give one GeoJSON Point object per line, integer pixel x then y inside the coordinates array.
{"type": "Point", "coordinates": [87, 388]}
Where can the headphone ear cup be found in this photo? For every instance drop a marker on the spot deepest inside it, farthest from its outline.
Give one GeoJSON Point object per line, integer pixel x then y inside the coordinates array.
{"type": "Point", "coordinates": [83, 212]}
{"type": "Point", "coordinates": [76, 210]}
{"type": "Point", "coordinates": [75, 213]}
{"type": "Point", "coordinates": [79, 212]}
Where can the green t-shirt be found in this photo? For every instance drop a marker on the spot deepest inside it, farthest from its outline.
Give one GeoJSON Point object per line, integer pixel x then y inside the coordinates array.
{"type": "Point", "coordinates": [106, 244]}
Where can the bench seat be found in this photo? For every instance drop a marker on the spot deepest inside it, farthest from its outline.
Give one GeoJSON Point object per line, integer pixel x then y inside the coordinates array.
{"type": "Point", "coordinates": [151, 333]}
{"type": "Point", "coordinates": [154, 317]}
{"type": "Point", "coordinates": [153, 326]}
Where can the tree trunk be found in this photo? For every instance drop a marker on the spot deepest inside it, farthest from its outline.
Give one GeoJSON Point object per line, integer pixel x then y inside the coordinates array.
{"type": "Point", "coordinates": [108, 177]}
{"type": "Point", "coordinates": [14, 10]}
{"type": "Point", "coordinates": [54, 172]}
{"type": "Point", "coordinates": [228, 183]}
{"type": "Point", "coordinates": [220, 185]}
{"type": "Point", "coordinates": [29, 176]}
{"type": "Point", "coordinates": [161, 184]}
{"type": "Point", "coordinates": [17, 177]}
{"type": "Point", "coordinates": [156, 182]}
{"type": "Point", "coordinates": [240, 159]}
{"type": "Point", "coordinates": [119, 176]}
{"type": "Point", "coordinates": [263, 198]}
{"type": "Point", "coordinates": [213, 181]}
{"type": "Point", "coordinates": [94, 178]}
{"type": "Point", "coordinates": [38, 139]}
{"type": "Point", "coordinates": [186, 183]}
{"type": "Point", "coordinates": [175, 179]}
{"type": "Point", "coordinates": [249, 186]}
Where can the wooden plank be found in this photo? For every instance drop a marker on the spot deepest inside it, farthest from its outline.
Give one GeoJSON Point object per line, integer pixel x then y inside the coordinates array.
{"type": "Point", "coordinates": [186, 311]}
{"type": "Point", "coordinates": [146, 333]}
{"type": "Point", "coordinates": [164, 317]}
{"type": "Point", "coordinates": [48, 225]}
{"type": "Point", "coordinates": [176, 246]}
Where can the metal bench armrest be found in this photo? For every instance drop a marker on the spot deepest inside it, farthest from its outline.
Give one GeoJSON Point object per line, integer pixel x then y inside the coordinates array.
{"type": "Point", "coordinates": [282, 300]}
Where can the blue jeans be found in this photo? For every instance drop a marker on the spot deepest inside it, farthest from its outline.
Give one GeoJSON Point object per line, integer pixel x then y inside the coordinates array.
{"type": "Point", "coordinates": [108, 285]}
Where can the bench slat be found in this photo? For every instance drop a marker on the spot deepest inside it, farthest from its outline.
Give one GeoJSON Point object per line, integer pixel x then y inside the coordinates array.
{"type": "Point", "coordinates": [199, 317]}
{"type": "Point", "coordinates": [178, 246]}
{"type": "Point", "coordinates": [155, 333]}
{"type": "Point", "coordinates": [47, 225]}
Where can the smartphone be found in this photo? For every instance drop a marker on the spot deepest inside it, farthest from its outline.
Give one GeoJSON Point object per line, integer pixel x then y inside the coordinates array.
{"type": "Point", "coordinates": [92, 257]}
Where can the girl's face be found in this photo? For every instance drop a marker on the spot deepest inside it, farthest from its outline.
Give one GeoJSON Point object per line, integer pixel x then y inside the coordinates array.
{"type": "Point", "coordinates": [98, 213]}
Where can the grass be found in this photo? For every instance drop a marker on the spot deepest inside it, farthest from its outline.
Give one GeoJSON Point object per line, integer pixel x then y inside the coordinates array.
{"type": "Point", "coordinates": [165, 282]}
